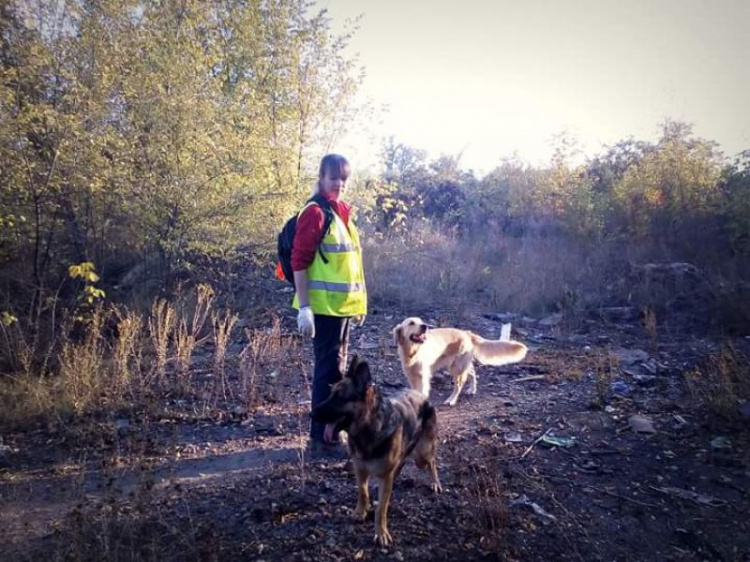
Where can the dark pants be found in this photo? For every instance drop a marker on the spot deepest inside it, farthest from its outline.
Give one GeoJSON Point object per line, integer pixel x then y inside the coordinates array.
{"type": "Point", "coordinates": [330, 346]}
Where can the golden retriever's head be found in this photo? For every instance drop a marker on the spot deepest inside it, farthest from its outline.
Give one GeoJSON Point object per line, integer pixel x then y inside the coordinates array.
{"type": "Point", "coordinates": [411, 331]}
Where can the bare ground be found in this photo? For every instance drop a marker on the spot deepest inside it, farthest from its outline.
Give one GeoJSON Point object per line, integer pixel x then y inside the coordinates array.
{"type": "Point", "coordinates": [191, 480]}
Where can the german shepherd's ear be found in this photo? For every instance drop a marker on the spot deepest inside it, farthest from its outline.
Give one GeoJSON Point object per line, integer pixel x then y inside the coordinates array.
{"type": "Point", "coordinates": [359, 373]}
{"type": "Point", "coordinates": [353, 366]}
{"type": "Point", "coordinates": [398, 334]}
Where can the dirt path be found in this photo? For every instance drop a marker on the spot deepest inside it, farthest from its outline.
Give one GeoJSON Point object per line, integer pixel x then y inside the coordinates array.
{"type": "Point", "coordinates": [240, 489]}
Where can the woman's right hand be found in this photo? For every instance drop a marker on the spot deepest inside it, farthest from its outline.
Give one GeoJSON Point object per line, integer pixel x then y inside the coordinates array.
{"type": "Point", "coordinates": [306, 321]}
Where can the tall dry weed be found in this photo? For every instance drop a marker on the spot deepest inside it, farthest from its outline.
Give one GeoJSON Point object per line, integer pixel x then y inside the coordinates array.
{"type": "Point", "coordinates": [128, 352]}
{"type": "Point", "coordinates": [223, 326]}
{"type": "Point", "coordinates": [722, 382]}
{"type": "Point", "coordinates": [188, 336]}
{"type": "Point", "coordinates": [84, 376]}
{"type": "Point", "coordinates": [161, 325]}
{"type": "Point", "coordinates": [265, 351]}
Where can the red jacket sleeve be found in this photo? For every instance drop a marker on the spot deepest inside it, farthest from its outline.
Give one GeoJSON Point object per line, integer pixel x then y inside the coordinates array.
{"type": "Point", "coordinates": [309, 230]}
{"type": "Point", "coordinates": [306, 237]}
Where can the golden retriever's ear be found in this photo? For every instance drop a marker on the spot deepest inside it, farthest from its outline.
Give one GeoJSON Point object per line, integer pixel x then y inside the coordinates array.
{"type": "Point", "coordinates": [398, 334]}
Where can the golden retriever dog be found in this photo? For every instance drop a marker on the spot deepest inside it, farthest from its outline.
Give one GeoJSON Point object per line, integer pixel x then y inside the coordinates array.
{"type": "Point", "coordinates": [424, 350]}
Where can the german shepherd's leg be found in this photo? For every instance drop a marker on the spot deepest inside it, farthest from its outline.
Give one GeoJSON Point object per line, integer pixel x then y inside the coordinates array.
{"type": "Point", "coordinates": [363, 494]}
{"type": "Point", "coordinates": [424, 457]}
{"type": "Point", "coordinates": [385, 489]}
{"type": "Point", "coordinates": [472, 380]}
{"type": "Point", "coordinates": [435, 485]}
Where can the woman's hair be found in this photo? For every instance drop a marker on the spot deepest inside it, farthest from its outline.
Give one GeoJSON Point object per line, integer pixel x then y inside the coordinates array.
{"type": "Point", "coordinates": [337, 167]}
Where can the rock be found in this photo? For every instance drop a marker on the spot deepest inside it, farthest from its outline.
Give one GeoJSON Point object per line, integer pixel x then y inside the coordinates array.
{"type": "Point", "coordinates": [619, 314]}
{"type": "Point", "coordinates": [641, 424]}
{"type": "Point", "coordinates": [500, 316]}
{"type": "Point", "coordinates": [619, 387]}
{"type": "Point", "coordinates": [551, 320]}
{"type": "Point", "coordinates": [630, 356]}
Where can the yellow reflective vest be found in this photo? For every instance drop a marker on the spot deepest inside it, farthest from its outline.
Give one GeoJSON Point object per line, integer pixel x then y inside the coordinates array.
{"type": "Point", "coordinates": [337, 288]}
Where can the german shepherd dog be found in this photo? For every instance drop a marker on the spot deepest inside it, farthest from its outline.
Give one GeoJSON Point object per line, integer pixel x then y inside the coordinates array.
{"type": "Point", "coordinates": [424, 349]}
{"type": "Point", "coordinates": [383, 431]}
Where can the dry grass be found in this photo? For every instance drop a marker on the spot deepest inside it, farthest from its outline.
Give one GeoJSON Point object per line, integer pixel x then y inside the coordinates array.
{"type": "Point", "coordinates": [261, 357]}
{"type": "Point", "coordinates": [605, 367]}
{"type": "Point", "coordinates": [117, 360]}
{"type": "Point", "coordinates": [488, 498]}
{"type": "Point", "coordinates": [722, 382]}
{"type": "Point", "coordinates": [161, 324]}
{"type": "Point", "coordinates": [425, 266]}
{"type": "Point", "coordinates": [189, 331]}
{"type": "Point", "coordinates": [223, 327]}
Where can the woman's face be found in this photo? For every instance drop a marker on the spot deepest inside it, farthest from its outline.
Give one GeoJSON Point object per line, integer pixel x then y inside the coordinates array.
{"type": "Point", "coordinates": [333, 183]}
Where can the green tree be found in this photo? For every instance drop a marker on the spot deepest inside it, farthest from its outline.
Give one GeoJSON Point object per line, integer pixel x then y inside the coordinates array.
{"type": "Point", "coordinates": [670, 184]}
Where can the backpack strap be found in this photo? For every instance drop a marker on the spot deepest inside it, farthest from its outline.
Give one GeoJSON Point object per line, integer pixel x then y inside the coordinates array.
{"type": "Point", "coordinates": [323, 203]}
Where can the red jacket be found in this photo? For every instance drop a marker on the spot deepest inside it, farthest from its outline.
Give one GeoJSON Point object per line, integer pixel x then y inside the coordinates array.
{"type": "Point", "coordinates": [309, 230]}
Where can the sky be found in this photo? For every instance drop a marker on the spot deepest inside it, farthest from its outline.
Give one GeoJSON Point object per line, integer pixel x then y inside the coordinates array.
{"type": "Point", "coordinates": [493, 79]}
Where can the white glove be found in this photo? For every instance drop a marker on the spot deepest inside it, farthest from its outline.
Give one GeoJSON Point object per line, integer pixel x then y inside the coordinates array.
{"type": "Point", "coordinates": [359, 320]}
{"type": "Point", "coordinates": [306, 322]}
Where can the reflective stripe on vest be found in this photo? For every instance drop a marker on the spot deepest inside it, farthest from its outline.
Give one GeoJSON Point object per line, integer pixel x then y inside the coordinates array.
{"type": "Point", "coordinates": [337, 248]}
{"type": "Point", "coordinates": [336, 287]}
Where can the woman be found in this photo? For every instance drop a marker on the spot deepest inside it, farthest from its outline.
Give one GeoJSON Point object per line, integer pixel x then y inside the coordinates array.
{"type": "Point", "coordinates": [330, 288]}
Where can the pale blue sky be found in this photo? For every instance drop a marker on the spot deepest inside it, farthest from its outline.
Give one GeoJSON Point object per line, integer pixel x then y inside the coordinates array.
{"type": "Point", "coordinates": [492, 77]}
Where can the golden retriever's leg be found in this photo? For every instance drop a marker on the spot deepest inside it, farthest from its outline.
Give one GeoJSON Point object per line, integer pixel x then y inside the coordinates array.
{"type": "Point", "coordinates": [472, 380]}
{"type": "Point", "coordinates": [426, 376]}
{"type": "Point", "coordinates": [419, 379]}
{"type": "Point", "coordinates": [385, 488]}
{"type": "Point", "coordinates": [458, 384]}
{"type": "Point", "coordinates": [415, 378]}
{"type": "Point", "coordinates": [363, 494]}
{"type": "Point", "coordinates": [460, 372]}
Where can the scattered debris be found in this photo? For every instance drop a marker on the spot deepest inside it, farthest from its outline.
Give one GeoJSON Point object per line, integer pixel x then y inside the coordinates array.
{"type": "Point", "coordinates": [557, 441]}
{"type": "Point", "coordinates": [619, 387]}
{"type": "Point", "coordinates": [630, 356]}
{"type": "Point", "coordinates": [505, 332]}
{"type": "Point", "coordinates": [529, 378]}
{"type": "Point", "coordinates": [720, 442]}
{"type": "Point", "coordinates": [537, 440]}
{"type": "Point", "coordinates": [690, 496]}
{"type": "Point", "coordinates": [524, 500]}
{"type": "Point", "coordinates": [551, 320]}
{"type": "Point", "coordinates": [641, 424]}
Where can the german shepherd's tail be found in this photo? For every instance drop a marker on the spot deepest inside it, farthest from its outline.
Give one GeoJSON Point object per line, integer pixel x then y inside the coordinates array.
{"type": "Point", "coordinates": [497, 352]}
{"type": "Point", "coordinates": [427, 416]}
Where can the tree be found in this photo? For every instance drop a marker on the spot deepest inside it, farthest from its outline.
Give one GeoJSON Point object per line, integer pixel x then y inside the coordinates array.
{"type": "Point", "coordinates": [171, 128]}
{"type": "Point", "coordinates": [675, 181]}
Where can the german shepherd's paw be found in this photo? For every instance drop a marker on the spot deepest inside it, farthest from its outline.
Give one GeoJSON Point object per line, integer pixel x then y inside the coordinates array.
{"type": "Point", "coordinates": [360, 514]}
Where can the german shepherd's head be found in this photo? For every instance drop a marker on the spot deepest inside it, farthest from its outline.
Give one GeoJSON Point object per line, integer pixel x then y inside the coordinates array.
{"type": "Point", "coordinates": [349, 399]}
{"type": "Point", "coordinates": [412, 330]}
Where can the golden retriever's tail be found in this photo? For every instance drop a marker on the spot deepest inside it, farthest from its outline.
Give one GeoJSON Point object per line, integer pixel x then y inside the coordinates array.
{"type": "Point", "coordinates": [497, 352]}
